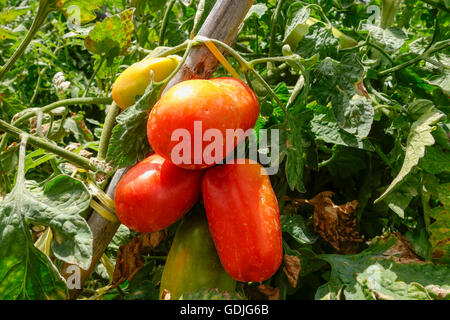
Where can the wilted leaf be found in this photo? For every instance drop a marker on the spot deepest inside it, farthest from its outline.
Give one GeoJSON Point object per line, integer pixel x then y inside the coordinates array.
{"type": "Point", "coordinates": [269, 292]}
{"type": "Point", "coordinates": [335, 224]}
{"type": "Point", "coordinates": [130, 256]}
{"type": "Point", "coordinates": [291, 269]}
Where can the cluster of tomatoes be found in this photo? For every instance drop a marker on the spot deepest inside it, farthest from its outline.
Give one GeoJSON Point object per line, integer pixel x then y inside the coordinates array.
{"type": "Point", "coordinates": [241, 206]}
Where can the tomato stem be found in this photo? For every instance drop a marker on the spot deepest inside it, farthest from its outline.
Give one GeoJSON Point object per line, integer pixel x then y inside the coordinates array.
{"type": "Point", "coordinates": [434, 48]}
{"type": "Point", "coordinates": [108, 127]}
{"type": "Point", "coordinates": [34, 111]}
{"type": "Point", "coordinates": [162, 31]}
{"type": "Point", "coordinates": [44, 9]}
{"type": "Point", "coordinates": [48, 146]}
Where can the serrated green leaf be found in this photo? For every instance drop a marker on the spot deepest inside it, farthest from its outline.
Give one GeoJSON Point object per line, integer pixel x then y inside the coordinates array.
{"type": "Point", "coordinates": [419, 137]}
{"type": "Point", "coordinates": [129, 142]}
{"type": "Point", "coordinates": [319, 39]}
{"type": "Point", "coordinates": [325, 127]}
{"type": "Point", "coordinates": [112, 36]}
{"type": "Point", "coordinates": [370, 275]}
{"type": "Point", "coordinates": [58, 205]}
{"type": "Point", "coordinates": [391, 38]}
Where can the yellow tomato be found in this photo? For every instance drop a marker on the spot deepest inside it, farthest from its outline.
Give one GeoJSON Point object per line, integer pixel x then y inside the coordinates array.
{"type": "Point", "coordinates": [136, 78]}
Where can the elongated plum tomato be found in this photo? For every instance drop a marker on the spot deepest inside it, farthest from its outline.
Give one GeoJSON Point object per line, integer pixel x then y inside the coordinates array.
{"type": "Point", "coordinates": [135, 79]}
{"type": "Point", "coordinates": [244, 220]}
{"type": "Point", "coordinates": [189, 124]}
{"type": "Point", "coordinates": [192, 263]}
{"type": "Point", "coordinates": [155, 193]}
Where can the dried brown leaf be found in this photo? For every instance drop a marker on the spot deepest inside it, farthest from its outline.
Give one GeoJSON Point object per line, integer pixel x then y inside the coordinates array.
{"type": "Point", "coordinates": [291, 269]}
{"type": "Point", "coordinates": [269, 292]}
{"type": "Point", "coordinates": [336, 224]}
{"type": "Point", "coordinates": [402, 251]}
{"type": "Point", "coordinates": [130, 256]}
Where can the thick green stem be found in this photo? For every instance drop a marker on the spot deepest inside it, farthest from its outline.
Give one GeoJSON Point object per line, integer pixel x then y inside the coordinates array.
{"type": "Point", "coordinates": [32, 112]}
{"type": "Point", "coordinates": [435, 48]}
{"type": "Point", "coordinates": [48, 146]}
{"type": "Point", "coordinates": [44, 9]}
{"type": "Point", "coordinates": [162, 31]}
{"type": "Point", "coordinates": [108, 127]}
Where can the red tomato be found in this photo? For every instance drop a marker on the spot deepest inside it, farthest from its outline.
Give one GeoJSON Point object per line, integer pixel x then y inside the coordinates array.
{"type": "Point", "coordinates": [155, 193]}
{"type": "Point", "coordinates": [190, 109]}
{"type": "Point", "coordinates": [244, 220]}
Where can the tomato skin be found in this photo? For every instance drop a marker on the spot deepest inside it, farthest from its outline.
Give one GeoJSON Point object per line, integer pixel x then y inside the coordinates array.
{"type": "Point", "coordinates": [220, 103]}
{"type": "Point", "coordinates": [134, 80]}
{"type": "Point", "coordinates": [192, 263]}
{"type": "Point", "coordinates": [244, 220]}
{"type": "Point", "coordinates": [155, 193]}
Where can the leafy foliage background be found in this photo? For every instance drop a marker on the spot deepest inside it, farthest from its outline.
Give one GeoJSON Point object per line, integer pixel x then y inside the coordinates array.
{"type": "Point", "coordinates": [359, 126]}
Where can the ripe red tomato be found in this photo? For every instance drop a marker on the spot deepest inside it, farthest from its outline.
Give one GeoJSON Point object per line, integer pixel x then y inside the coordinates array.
{"type": "Point", "coordinates": [155, 193]}
{"type": "Point", "coordinates": [190, 109]}
{"type": "Point", "coordinates": [244, 220]}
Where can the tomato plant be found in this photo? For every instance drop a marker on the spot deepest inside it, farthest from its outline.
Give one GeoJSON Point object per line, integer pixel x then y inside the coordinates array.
{"type": "Point", "coordinates": [344, 104]}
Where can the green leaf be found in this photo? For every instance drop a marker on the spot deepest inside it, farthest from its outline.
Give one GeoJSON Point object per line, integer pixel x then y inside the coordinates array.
{"type": "Point", "coordinates": [419, 137]}
{"type": "Point", "coordinates": [436, 160]}
{"type": "Point", "coordinates": [418, 107]}
{"type": "Point", "coordinates": [11, 14]}
{"type": "Point", "coordinates": [391, 38]}
{"type": "Point", "coordinates": [58, 205]}
{"type": "Point", "coordinates": [25, 272]}
{"type": "Point", "coordinates": [399, 199]}
{"type": "Point", "coordinates": [112, 36]}
{"type": "Point", "coordinates": [355, 114]}
{"type": "Point", "coordinates": [296, 154]}
{"type": "Point", "coordinates": [319, 39]}
{"type": "Point", "coordinates": [441, 80]}
{"type": "Point", "coordinates": [296, 26]}
{"type": "Point", "coordinates": [129, 142]}
{"type": "Point", "coordinates": [296, 227]}
{"type": "Point", "coordinates": [325, 127]}
{"type": "Point", "coordinates": [5, 34]}
{"type": "Point", "coordinates": [371, 275]}
{"type": "Point", "coordinates": [256, 10]}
